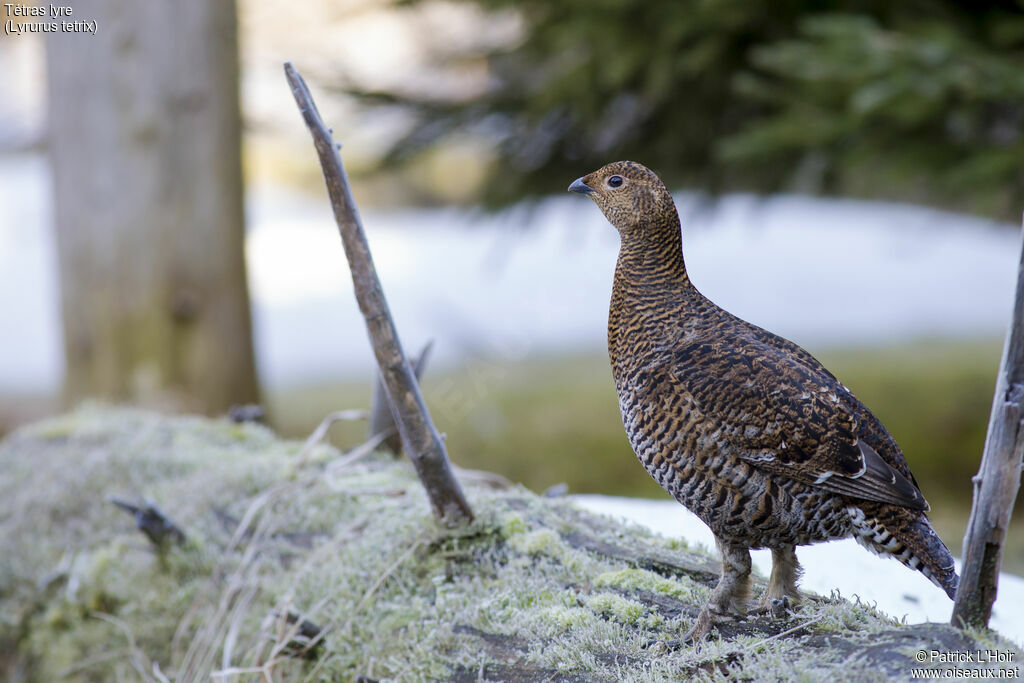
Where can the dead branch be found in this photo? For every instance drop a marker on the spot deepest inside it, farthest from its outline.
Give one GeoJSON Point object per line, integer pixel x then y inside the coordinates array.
{"type": "Point", "coordinates": [420, 437]}
{"type": "Point", "coordinates": [382, 420]}
{"type": "Point", "coordinates": [997, 481]}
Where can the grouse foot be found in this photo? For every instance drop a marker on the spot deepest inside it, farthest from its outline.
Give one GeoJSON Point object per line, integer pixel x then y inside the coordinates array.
{"type": "Point", "coordinates": [781, 594]}
{"type": "Point", "coordinates": [777, 608]}
{"type": "Point", "coordinates": [659, 646]}
{"type": "Point", "coordinates": [705, 623]}
{"type": "Point", "coordinates": [729, 598]}
{"type": "Point", "coordinates": [701, 628]}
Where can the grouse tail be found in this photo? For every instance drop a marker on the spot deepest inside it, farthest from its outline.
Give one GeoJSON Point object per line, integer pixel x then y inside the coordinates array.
{"type": "Point", "coordinates": [908, 536]}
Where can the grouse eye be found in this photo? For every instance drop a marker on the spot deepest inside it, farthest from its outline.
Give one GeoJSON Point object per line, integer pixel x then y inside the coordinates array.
{"type": "Point", "coordinates": [615, 181]}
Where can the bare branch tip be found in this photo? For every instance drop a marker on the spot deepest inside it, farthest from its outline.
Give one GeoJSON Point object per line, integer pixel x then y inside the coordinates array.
{"type": "Point", "coordinates": [291, 74]}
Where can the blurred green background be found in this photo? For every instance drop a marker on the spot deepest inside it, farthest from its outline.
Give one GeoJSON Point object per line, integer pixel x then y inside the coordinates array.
{"type": "Point", "coordinates": [918, 101]}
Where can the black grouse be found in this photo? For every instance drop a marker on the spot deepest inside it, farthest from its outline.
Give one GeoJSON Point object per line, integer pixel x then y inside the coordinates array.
{"type": "Point", "coordinates": [746, 429]}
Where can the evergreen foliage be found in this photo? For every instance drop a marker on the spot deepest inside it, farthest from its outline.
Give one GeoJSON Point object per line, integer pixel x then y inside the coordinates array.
{"type": "Point", "coordinates": [920, 100]}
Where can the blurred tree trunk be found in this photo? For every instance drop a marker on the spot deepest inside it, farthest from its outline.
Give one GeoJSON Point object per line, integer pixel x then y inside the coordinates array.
{"type": "Point", "coordinates": [144, 141]}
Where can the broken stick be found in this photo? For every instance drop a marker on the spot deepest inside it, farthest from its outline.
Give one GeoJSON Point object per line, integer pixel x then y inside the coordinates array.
{"type": "Point", "coordinates": [420, 437]}
{"type": "Point", "coordinates": [151, 521]}
{"type": "Point", "coordinates": [997, 481]}
{"type": "Point", "coordinates": [382, 420]}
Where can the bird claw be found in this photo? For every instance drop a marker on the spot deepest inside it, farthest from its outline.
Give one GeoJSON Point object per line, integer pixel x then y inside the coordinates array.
{"type": "Point", "coordinates": [659, 646]}
{"type": "Point", "coordinates": [693, 637]}
{"type": "Point", "coordinates": [701, 628]}
{"type": "Point", "coordinates": [777, 608]}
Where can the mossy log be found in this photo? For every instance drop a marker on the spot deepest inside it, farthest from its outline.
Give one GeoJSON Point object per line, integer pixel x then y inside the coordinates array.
{"type": "Point", "coordinates": [340, 572]}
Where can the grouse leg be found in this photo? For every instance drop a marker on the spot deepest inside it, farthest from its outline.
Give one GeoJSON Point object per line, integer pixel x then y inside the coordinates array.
{"type": "Point", "coordinates": [729, 599]}
{"type": "Point", "coordinates": [781, 593]}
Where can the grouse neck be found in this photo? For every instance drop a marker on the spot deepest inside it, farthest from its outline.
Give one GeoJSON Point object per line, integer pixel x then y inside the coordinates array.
{"type": "Point", "coordinates": [651, 255]}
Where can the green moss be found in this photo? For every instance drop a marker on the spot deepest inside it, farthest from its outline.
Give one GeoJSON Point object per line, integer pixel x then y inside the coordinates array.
{"type": "Point", "coordinates": [677, 544]}
{"type": "Point", "coordinates": [641, 579]}
{"type": "Point", "coordinates": [836, 615]}
{"type": "Point", "coordinates": [558, 619]}
{"type": "Point", "coordinates": [538, 542]}
{"type": "Point", "coordinates": [56, 428]}
{"type": "Point", "coordinates": [616, 607]}
{"type": "Point", "coordinates": [511, 525]}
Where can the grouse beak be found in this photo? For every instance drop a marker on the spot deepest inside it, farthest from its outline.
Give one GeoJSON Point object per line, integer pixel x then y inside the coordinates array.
{"type": "Point", "coordinates": [579, 186]}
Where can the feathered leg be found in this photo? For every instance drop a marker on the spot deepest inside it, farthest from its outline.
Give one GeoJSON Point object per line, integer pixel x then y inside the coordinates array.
{"type": "Point", "coordinates": [782, 592]}
{"type": "Point", "coordinates": [729, 599]}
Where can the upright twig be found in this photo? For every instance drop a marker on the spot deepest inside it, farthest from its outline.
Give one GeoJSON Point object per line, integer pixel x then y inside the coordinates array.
{"type": "Point", "coordinates": [997, 481]}
{"type": "Point", "coordinates": [321, 431]}
{"type": "Point", "coordinates": [382, 419]}
{"type": "Point", "coordinates": [419, 436]}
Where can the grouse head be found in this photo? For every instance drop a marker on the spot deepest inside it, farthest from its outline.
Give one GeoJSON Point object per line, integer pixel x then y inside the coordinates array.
{"type": "Point", "coordinates": [630, 195]}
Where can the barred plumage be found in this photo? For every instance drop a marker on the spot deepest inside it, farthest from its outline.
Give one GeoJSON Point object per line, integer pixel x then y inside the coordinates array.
{"type": "Point", "coordinates": [746, 429]}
